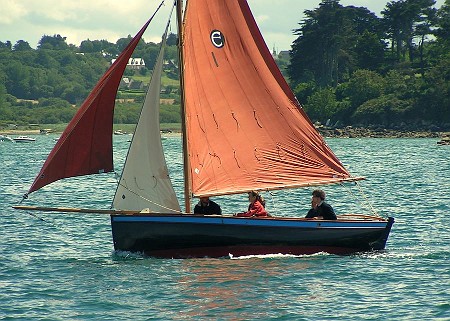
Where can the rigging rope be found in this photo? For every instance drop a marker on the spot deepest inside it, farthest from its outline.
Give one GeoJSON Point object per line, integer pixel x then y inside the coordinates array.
{"type": "Point", "coordinates": [37, 217]}
{"type": "Point", "coordinates": [56, 227]}
{"type": "Point", "coordinates": [367, 204]}
{"type": "Point", "coordinates": [272, 197]}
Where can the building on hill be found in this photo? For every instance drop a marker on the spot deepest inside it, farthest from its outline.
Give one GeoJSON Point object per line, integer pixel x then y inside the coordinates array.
{"type": "Point", "coordinates": [129, 83]}
{"type": "Point", "coordinates": [124, 83]}
{"type": "Point", "coordinates": [281, 55]}
{"type": "Point", "coordinates": [284, 54]}
{"type": "Point", "coordinates": [133, 63]}
{"type": "Point", "coordinates": [136, 84]}
{"type": "Point", "coordinates": [136, 63]}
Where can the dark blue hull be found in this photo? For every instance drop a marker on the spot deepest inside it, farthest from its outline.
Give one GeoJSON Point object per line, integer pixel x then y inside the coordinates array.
{"type": "Point", "coordinates": [184, 236]}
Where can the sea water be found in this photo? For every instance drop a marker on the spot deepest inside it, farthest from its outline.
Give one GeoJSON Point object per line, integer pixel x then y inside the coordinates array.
{"type": "Point", "coordinates": [57, 266]}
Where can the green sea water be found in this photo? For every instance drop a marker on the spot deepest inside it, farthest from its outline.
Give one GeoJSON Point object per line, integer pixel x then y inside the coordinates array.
{"type": "Point", "coordinates": [63, 267]}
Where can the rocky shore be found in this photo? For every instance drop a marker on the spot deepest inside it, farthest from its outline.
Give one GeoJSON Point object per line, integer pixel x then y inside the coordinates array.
{"type": "Point", "coordinates": [358, 132]}
{"type": "Point", "coordinates": [347, 132]}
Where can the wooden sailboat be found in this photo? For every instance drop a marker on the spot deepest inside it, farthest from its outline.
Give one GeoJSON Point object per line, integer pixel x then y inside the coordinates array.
{"type": "Point", "coordinates": [243, 130]}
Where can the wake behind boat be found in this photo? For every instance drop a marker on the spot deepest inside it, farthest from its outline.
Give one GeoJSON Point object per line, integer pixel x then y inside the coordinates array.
{"type": "Point", "coordinates": [242, 130]}
{"type": "Point", "coordinates": [6, 138]}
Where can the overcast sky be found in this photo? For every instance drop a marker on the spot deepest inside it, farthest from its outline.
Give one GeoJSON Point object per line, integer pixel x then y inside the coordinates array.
{"type": "Point", "coordinates": [78, 20]}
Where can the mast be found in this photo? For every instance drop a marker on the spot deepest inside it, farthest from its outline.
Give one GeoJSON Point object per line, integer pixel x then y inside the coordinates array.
{"type": "Point", "coordinates": [187, 192]}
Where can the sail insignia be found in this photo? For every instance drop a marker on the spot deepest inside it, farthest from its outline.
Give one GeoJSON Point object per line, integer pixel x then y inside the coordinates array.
{"type": "Point", "coordinates": [217, 39]}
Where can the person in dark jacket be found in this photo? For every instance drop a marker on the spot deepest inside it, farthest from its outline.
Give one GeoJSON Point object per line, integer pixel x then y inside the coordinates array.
{"type": "Point", "coordinates": [319, 209]}
{"type": "Point", "coordinates": [207, 207]}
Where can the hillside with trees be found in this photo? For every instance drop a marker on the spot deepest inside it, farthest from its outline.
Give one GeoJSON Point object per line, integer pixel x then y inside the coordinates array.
{"type": "Point", "coordinates": [351, 67]}
{"type": "Point", "coordinates": [347, 67]}
{"type": "Point", "coordinates": [47, 84]}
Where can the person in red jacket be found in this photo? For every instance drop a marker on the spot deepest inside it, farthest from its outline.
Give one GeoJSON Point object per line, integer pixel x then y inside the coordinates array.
{"type": "Point", "coordinates": [256, 207]}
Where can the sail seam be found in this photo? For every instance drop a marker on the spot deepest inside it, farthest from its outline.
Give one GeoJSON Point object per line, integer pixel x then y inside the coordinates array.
{"type": "Point", "coordinates": [200, 124]}
{"type": "Point", "coordinates": [237, 123]}
{"type": "Point", "coordinates": [214, 58]}
{"type": "Point", "coordinates": [256, 118]}
{"type": "Point", "coordinates": [256, 154]}
{"type": "Point", "coordinates": [236, 159]}
{"type": "Point", "coordinates": [215, 120]}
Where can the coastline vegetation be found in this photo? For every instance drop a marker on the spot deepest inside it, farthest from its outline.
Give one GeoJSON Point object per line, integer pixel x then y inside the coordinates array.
{"type": "Point", "coordinates": [347, 67]}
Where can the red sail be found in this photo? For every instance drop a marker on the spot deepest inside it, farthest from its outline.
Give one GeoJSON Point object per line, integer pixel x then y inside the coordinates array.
{"type": "Point", "coordinates": [245, 129]}
{"type": "Point", "coordinates": [85, 146]}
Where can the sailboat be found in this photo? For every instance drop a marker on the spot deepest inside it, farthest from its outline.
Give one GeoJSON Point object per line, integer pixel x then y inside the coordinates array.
{"type": "Point", "coordinates": [242, 130]}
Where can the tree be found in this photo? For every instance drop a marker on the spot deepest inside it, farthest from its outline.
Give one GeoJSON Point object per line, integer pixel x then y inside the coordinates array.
{"type": "Point", "coordinates": [406, 19]}
{"type": "Point", "coordinates": [87, 46]}
{"type": "Point", "coordinates": [325, 51]}
{"type": "Point", "coordinates": [314, 52]}
{"type": "Point", "coordinates": [321, 105]}
{"type": "Point", "coordinates": [442, 31]}
{"type": "Point", "coordinates": [55, 42]}
{"type": "Point", "coordinates": [363, 86]}
{"type": "Point", "coordinates": [17, 79]}
{"type": "Point", "coordinates": [2, 90]}
{"type": "Point", "coordinates": [436, 96]}
{"type": "Point", "coordinates": [369, 50]}
{"type": "Point", "coordinates": [22, 45]}
{"type": "Point", "coordinates": [6, 45]}
{"type": "Point", "coordinates": [384, 110]}
{"type": "Point", "coordinates": [122, 43]}
{"type": "Point", "coordinates": [74, 93]}
{"type": "Point", "coordinates": [172, 39]}
{"type": "Point", "coordinates": [44, 58]}
{"type": "Point", "coordinates": [394, 25]}
{"type": "Point", "coordinates": [303, 90]}
{"type": "Point", "coordinates": [424, 27]}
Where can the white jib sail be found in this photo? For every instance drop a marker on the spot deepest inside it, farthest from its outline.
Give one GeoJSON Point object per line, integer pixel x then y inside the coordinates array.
{"type": "Point", "coordinates": [145, 181]}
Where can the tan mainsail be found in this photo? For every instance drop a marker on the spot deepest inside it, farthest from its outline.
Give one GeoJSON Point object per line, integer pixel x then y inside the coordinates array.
{"type": "Point", "coordinates": [245, 128]}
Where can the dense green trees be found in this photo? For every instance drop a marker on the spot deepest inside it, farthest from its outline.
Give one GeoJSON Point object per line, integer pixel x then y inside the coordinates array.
{"type": "Point", "coordinates": [347, 66]}
{"type": "Point", "coordinates": [332, 39]}
{"type": "Point", "coordinates": [44, 73]}
{"type": "Point", "coordinates": [44, 85]}
{"type": "Point", "coordinates": [351, 67]}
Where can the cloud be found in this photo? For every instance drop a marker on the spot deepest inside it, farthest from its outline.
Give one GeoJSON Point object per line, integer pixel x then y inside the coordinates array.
{"type": "Point", "coordinates": [11, 11]}
{"type": "Point", "coordinates": [262, 18]}
{"type": "Point", "coordinates": [78, 20]}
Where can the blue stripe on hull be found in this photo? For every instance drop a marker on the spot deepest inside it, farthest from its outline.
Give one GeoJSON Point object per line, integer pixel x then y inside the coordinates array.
{"type": "Point", "coordinates": [269, 222]}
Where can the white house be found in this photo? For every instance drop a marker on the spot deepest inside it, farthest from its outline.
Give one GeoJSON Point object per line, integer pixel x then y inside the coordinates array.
{"type": "Point", "coordinates": [134, 63]}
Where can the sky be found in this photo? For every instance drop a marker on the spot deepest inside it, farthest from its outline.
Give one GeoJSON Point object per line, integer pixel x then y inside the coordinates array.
{"type": "Point", "coordinates": [78, 20]}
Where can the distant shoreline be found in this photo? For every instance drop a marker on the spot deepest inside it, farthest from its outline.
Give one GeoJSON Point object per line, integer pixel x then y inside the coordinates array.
{"type": "Point", "coordinates": [19, 132]}
{"type": "Point", "coordinates": [328, 133]}
{"type": "Point", "coordinates": [358, 132]}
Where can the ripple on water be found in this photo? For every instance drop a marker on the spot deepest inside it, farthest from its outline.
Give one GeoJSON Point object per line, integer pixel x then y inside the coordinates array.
{"type": "Point", "coordinates": [65, 268]}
